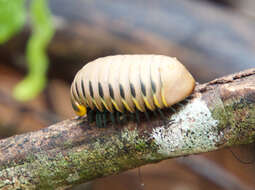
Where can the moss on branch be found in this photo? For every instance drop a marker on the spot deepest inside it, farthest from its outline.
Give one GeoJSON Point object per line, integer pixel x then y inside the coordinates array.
{"type": "Point", "coordinates": [220, 113]}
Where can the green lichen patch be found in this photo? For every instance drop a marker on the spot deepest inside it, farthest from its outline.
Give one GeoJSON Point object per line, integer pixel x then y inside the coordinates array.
{"type": "Point", "coordinates": [104, 155]}
{"type": "Point", "coordinates": [237, 120]}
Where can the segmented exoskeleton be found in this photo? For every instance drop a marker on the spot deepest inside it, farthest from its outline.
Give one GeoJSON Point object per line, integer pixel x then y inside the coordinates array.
{"type": "Point", "coordinates": [129, 84]}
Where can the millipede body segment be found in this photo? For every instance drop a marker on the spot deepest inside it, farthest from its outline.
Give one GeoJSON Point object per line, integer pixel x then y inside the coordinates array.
{"type": "Point", "coordinates": [116, 86]}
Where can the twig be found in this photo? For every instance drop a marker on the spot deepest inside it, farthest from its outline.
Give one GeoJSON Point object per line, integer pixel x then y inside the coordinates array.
{"type": "Point", "coordinates": [219, 114]}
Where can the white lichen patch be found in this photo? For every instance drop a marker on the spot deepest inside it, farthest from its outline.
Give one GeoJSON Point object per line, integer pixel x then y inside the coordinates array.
{"type": "Point", "coordinates": [73, 177]}
{"type": "Point", "coordinates": [129, 135]}
{"type": "Point", "coordinates": [192, 130]}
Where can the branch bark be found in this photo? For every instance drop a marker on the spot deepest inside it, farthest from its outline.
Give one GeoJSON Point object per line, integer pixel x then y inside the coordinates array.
{"type": "Point", "coordinates": [219, 114]}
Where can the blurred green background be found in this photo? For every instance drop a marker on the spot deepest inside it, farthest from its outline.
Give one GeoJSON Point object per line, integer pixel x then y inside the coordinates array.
{"type": "Point", "coordinates": [12, 19]}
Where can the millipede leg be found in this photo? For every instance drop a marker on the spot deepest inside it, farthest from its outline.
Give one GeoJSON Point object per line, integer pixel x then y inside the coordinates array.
{"type": "Point", "coordinates": [154, 113]}
{"type": "Point", "coordinates": [173, 110]}
{"type": "Point", "coordinates": [147, 116]}
{"type": "Point", "coordinates": [179, 104]}
{"type": "Point", "coordinates": [137, 116]}
{"type": "Point", "coordinates": [124, 118]}
{"type": "Point", "coordinates": [118, 117]}
{"type": "Point", "coordinates": [97, 124]}
{"type": "Point", "coordinates": [161, 114]}
{"type": "Point", "coordinates": [112, 118]}
{"type": "Point", "coordinates": [104, 119]}
{"type": "Point", "coordinates": [90, 115]}
{"type": "Point", "coordinates": [132, 117]}
{"type": "Point", "coordinates": [99, 120]}
{"type": "Point", "coordinates": [186, 100]}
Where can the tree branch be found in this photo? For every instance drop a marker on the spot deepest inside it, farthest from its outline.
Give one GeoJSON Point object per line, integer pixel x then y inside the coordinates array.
{"type": "Point", "coordinates": [219, 114]}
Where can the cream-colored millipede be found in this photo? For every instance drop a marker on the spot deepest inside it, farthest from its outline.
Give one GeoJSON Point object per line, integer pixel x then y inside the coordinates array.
{"type": "Point", "coordinates": [130, 83]}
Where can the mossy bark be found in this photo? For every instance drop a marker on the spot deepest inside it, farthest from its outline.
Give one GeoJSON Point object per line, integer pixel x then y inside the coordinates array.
{"type": "Point", "coordinates": [220, 113]}
{"type": "Point", "coordinates": [233, 104]}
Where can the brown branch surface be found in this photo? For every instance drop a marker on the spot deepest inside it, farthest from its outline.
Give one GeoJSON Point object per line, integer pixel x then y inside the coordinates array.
{"type": "Point", "coordinates": [220, 113]}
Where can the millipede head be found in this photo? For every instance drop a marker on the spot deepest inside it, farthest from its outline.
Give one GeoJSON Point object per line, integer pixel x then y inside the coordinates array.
{"type": "Point", "coordinates": [79, 109]}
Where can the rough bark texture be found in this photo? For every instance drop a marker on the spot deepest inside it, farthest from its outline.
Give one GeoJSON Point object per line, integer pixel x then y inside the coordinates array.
{"type": "Point", "coordinates": [220, 113]}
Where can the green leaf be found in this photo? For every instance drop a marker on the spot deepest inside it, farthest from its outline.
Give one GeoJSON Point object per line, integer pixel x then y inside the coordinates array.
{"type": "Point", "coordinates": [12, 18]}
{"type": "Point", "coordinates": [37, 59]}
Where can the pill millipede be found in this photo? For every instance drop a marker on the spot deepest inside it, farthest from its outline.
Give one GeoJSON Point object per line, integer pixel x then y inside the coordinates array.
{"type": "Point", "coordinates": [122, 87]}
